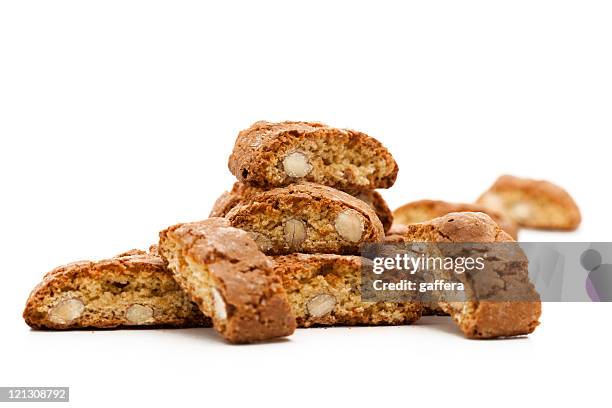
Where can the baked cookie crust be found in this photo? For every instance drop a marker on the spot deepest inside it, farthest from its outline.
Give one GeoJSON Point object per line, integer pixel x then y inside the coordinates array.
{"type": "Point", "coordinates": [533, 203]}
{"type": "Point", "coordinates": [277, 154]}
{"type": "Point", "coordinates": [324, 290]}
{"type": "Point", "coordinates": [380, 207]}
{"type": "Point", "coordinates": [308, 218]}
{"type": "Point", "coordinates": [133, 289]}
{"type": "Point", "coordinates": [425, 210]}
{"type": "Point", "coordinates": [226, 275]}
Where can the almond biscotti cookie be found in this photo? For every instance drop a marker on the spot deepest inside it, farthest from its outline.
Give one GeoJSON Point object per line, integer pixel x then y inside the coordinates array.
{"type": "Point", "coordinates": [324, 289]}
{"type": "Point", "coordinates": [226, 275]}
{"type": "Point", "coordinates": [309, 218]}
{"type": "Point", "coordinates": [277, 154]}
{"type": "Point", "coordinates": [242, 192]}
{"type": "Point", "coordinates": [533, 203]}
{"type": "Point", "coordinates": [476, 318]}
{"type": "Point", "coordinates": [425, 210]}
{"type": "Point", "coordinates": [131, 289]}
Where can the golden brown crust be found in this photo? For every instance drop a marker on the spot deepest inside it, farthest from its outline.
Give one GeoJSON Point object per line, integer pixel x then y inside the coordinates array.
{"type": "Point", "coordinates": [452, 227]}
{"type": "Point", "coordinates": [316, 209]}
{"type": "Point", "coordinates": [345, 159]}
{"type": "Point", "coordinates": [380, 207]}
{"type": "Point", "coordinates": [239, 193]}
{"type": "Point", "coordinates": [425, 210]}
{"type": "Point", "coordinates": [306, 277]}
{"type": "Point", "coordinates": [493, 319]}
{"type": "Point", "coordinates": [533, 203]}
{"type": "Point", "coordinates": [242, 192]}
{"type": "Point", "coordinates": [106, 289]}
{"type": "Point", "coordinates": [480, 318]}
{"type": "Point", "coordinates": [227, 276]}
{"type": "Point", "coordinates": [224, 203]}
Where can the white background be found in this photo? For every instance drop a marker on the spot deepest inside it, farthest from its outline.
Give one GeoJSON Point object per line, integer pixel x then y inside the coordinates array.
{"type": "Point", "coordinates": [117, 119]}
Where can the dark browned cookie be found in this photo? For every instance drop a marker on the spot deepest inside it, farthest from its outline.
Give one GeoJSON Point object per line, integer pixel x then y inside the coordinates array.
{"type": "Point", "coordinates": [477, 318]}
{"type": "Point", "coordinates": [131, 289]}
{"type": "Point", "coordinates": [425, 210]}
{"type": "Point", "coordinates": [242, 192]}
{"type": "Point", "coordinates": [324, 289]}
{"type": "Point", "coordinates": [277, 154]}
{"type": "Point", "coordinates": [533, 203]}
{"type": "Point", "coordinates": [309, 218]}
{"type": "Point", "coordinates": [227, 276]}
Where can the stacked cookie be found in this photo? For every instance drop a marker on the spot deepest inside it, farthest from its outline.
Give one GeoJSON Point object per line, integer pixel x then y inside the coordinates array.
{"type": "Point", "coordinates": [281, 247]}
{"type": "Point", "coordinates": [306, 194]}
{"type": "Point", "coordinates": [280, 250]}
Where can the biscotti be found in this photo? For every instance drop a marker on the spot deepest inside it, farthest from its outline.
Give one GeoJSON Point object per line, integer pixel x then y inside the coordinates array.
{"type": "Point", "coordinates": [242, 192]}
{"type": "Point", "coordinates": [324, 289]}
{"type": "Point", "coordinates": [425, 210]}
{"type": "Point", "coordinates": [475, 317]}
{"type": "Point", "coordinates": [533, 203]}
{"type": "Point", "coordinates": [277, 154]}
{"type": "Point", "coordinates": [230, 280]}
{"type": "Point", "coordinates": [309, 218]}
{"type": "Point", "coordinates": [133, 289]}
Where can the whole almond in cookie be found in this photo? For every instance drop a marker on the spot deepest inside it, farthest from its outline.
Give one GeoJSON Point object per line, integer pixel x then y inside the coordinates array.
{"type": "Point", "coordinates": [309, 218]}
{"type": "Point", "coordinates": [349, 225]}
{"type": "Point", "coordinates": [131, 289]}
{"type": "Point", "coordinates": [297, 165]}
{"type": "Point", "coordinates": [277, 154]}
{"type": "Point", "coordinates": [295, 232]}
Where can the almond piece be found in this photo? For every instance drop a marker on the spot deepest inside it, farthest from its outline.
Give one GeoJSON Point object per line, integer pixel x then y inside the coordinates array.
{"type": "Point", "coordinates": [66, 311]}
{"type": "Point", "coordinates": [139, 314]}
{"type": "Point", "coordinates": [349, 224]}
{"type": "Point", "coordinates": [295, 232]}
{"type": "Point", "coordinates": [219, 305]}
{"type": "Point", "coordinates": [296, 165]}
{"type": "Point", "coordinates": [321, 305]}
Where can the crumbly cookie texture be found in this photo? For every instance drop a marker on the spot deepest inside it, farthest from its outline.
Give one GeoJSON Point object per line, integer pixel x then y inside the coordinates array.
{"type": "Point", "coordinates": [309, 218]}
{"type": "Point", "coordinates": [277, 154]}
{"type": "Point", "coordinates": [242, 192]}
{"type": "Point", "coordinates": [226, 275]}
{"type": "Point", "coordinates": [482, 319]}
{"type": "Point", "coordinates": [425, 210]}
{"type": "Point", "coordinates": [131, 289]}
{"type": "Point", "coordinates": [324, 289]}
{"type": "Point", "coordinates": [533, 203]}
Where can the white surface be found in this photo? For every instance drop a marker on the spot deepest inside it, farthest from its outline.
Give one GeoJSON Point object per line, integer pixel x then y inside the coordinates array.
{"type": "Point", "coordinates": [117, 118]}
